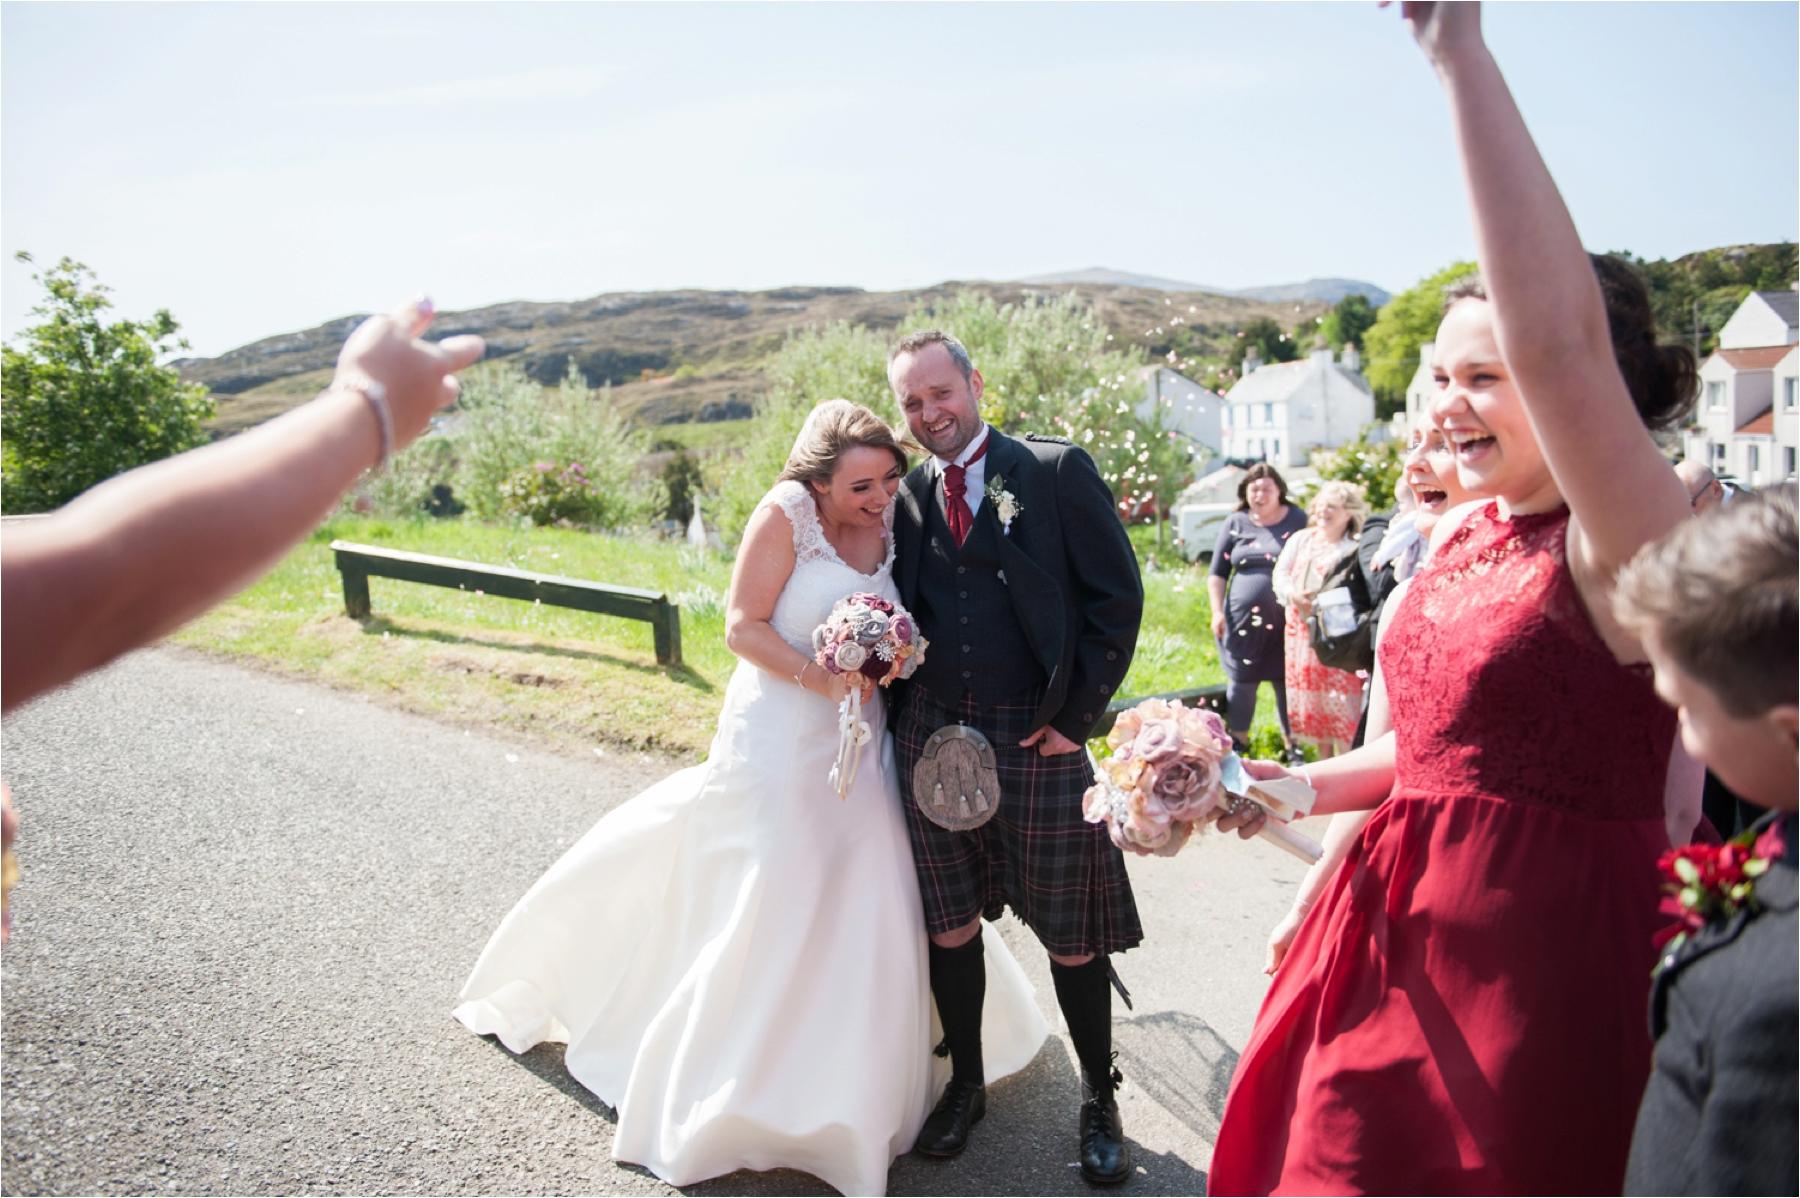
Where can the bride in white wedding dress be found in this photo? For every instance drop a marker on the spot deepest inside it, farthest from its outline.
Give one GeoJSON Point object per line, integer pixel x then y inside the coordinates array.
{"type": "Point", "coordinates": [736, 957]}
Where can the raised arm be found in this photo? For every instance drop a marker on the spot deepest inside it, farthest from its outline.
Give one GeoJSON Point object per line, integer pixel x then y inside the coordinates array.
{"type": "Point", "coordinates": [1550, 319]}
{"type": "Point", "coordinates": [143, 553]}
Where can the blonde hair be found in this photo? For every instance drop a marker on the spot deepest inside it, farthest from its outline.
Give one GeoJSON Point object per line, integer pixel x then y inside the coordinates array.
{"type": "Point", "coordinates": [1721, 597]}
{"type": "Point", "coordinates": [831, 430]}
{"type": "Point", "coordinates": [1349, 495]}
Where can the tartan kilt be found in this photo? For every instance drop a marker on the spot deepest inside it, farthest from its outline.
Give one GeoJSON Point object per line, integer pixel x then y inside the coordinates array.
{"type": "Point", "coordinates": [1060, 874]}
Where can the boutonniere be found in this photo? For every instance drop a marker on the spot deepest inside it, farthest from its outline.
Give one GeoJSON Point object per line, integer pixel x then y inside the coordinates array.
{"type": "Point", "coordinates": [1705, 883]}
{"type": "Point", "coordinates": [1006, 504]}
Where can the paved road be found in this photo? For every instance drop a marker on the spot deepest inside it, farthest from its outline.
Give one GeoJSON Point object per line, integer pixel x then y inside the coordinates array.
{"type": "Point", "coordinates": [248, 904]}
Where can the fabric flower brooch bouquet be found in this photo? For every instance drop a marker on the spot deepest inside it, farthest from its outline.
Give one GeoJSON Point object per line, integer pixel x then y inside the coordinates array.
{"type": "Point", "coordinates": [872, 641]}
{"type": "Point", "coordinates": [1171, 769]}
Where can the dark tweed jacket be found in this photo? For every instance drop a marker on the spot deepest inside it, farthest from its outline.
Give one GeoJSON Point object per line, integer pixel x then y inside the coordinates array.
{"type": "Point", "coordinates": [1070, 570]}
{"type": "Point", "coordinates": [1719, 1115]}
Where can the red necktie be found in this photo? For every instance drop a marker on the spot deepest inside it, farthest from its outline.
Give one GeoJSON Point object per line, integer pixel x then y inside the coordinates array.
{"type": "Point", "coordinates": [956, 511]}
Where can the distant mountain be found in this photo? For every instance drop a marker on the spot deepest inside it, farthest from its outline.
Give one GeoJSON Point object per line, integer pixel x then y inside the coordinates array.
{"type": "Point", "coordinates": [1100, 276]}
{"type": "Point", "coordinates": [1329, 291]}
{"type": "Point", "coordinates": [673, 356]}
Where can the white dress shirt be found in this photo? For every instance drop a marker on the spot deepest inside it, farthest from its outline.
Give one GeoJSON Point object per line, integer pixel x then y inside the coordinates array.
{"type": "Point", "coordinates": [975, 474]}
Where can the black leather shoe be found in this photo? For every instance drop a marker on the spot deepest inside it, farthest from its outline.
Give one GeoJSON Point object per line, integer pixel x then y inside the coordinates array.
{"type": "Point", "coordinates": [1105, 1157]}
{"type": "Point", "coordinates": [946, 1131]}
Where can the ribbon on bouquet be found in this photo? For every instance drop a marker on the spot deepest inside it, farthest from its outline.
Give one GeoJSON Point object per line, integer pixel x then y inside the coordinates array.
{"type": "Point", "coordinates": [853, 734]}
{"type": "Point", "coordinates": [1283, 798]}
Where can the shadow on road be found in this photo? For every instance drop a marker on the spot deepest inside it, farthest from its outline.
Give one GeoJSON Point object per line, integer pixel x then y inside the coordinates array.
{"type": "Point", "coordinates": [1181, 1064]}
{"type": "Point", "coordinates": [381, 625]}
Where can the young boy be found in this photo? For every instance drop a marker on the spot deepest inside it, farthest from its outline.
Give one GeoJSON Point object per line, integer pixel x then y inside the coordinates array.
{"type": "Point", "coordinates": [1715, 604]}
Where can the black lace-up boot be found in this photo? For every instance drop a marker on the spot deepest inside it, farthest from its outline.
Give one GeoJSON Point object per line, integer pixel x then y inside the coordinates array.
{"type": "Point", "coordinates": [959, 984]}
{"type": "Point", "coordinates": [1085, 994]}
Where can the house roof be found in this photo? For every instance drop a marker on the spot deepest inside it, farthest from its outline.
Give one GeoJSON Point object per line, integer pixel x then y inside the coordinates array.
{"type": "Point", "coordinates": [1763, 423]}
{"type": "Point", "coordinates": [1763, 357]}
{"type": "Point", "coordinates": [1275, 381]}
{"type": "Point", "coordinates": [1785, 303]}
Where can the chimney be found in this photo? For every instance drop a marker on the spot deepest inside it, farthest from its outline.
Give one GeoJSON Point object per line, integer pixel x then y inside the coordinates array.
{"type": "Point", "coordinates": [1351, 359]}
{"type": "Point", "coordinates": [1321, 352]}
{"type": "Point", "coordinates": [1252, 360]}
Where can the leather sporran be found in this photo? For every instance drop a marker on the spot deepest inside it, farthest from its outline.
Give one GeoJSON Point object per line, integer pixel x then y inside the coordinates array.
{"type": "Point", "coordinates": [956, 783]}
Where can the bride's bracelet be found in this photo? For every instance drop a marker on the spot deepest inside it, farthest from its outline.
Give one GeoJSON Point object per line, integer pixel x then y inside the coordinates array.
{"type": "Point", "coordinates": [801, 675]}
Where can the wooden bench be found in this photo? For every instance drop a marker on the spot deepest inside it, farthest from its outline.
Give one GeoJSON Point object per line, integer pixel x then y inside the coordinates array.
{"type": "Point", "coordinates": [1207, 696]}
{"type": "Point", "coordinates": [358, 562]}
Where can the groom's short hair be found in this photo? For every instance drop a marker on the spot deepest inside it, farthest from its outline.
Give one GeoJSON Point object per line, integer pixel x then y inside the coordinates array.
{"type": "Point", "coordinates": [912, 343]}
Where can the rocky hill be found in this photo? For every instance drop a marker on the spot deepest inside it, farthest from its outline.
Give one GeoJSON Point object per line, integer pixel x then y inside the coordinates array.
{"type": "Point", "coordinates": [673, 356]}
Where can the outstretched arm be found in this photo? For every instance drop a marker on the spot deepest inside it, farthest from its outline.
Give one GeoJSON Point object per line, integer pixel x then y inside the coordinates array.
{"type": "Point", "coordinates": [143, 553]}
{"type": "Point", "coordinates": [1549, 317]}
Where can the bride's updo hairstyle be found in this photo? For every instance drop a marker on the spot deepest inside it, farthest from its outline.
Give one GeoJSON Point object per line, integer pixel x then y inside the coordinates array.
{"type": "Point", "coordinates": [831, 430]}
{"type": "Point", "coordinates": [1662, 379]}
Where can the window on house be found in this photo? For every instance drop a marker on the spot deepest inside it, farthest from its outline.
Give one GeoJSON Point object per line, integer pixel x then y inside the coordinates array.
{"type": "Point", "coordinates": [1715, 396]}
{"type": "Point", "coordinates": [1269, 414]}
{"type": "Point", "coordinates": [1787, 394]}
{"type": "Point", "coordinates": [1787, 461]}
{"type": "Point", "coordinates": [1718, 457]}
{"type": "Point", "coordinates": [1753, 456]}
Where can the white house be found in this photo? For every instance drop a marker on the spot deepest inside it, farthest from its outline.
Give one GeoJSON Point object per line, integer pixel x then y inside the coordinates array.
{"type": "Point", "coordinates": [1418, 394]}
{"type": "Point", "coordinates": [1745, 421]}
{"type": "Point", "coordinates": [1279, 412]}
{"type": "Point", "coordinates": [1192, 409]}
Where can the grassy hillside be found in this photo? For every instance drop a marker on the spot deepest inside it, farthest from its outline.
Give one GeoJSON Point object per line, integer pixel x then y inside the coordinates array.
{"type": "Point", "coordinates": [679, 356]}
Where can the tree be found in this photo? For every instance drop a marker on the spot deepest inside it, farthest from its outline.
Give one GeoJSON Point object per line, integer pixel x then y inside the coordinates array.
{"type": "Point", "coordinates": [1271, 341]}
{"type": "Point", "coordinates": [1347, 322]}
{"type": "Point", "coordinates": [1391, 355]}
{"type": "Point", "coordinates": [83, 400]}
{"type": "Point", "coordinates": [1375, 466]}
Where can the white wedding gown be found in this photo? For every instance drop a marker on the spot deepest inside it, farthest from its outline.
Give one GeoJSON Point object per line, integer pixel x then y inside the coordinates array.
{"type": "Point", "coordinates": [736, 957]}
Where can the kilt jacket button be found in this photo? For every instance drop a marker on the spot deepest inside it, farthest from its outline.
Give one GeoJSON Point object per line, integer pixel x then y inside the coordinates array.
{"type": "Point", "coordinates": [1087, 717]}
{"type": "Point", "coordinates": [1112, 655]}
{"type": "Point", "coordinates": [1106, 688]}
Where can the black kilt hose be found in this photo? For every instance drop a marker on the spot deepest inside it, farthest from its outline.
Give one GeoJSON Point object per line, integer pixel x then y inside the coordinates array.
{"type": "Point", "coordinates": [1032, 622]}
{"type": "Point", "coordinates": [1060, 874]}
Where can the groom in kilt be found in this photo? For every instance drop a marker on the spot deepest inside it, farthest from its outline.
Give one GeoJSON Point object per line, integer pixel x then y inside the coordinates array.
{"type": "Point", "coordinates": [1011, 557]}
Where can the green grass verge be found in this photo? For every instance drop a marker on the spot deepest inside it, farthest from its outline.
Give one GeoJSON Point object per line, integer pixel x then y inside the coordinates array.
{"type": "Point", "coordinates": [576, 681]}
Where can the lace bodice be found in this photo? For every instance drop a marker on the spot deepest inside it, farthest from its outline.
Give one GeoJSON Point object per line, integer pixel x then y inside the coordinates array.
{"type": "Point", "coordinates": [1501, 686]}
{"type": "Point", "coordinates": [820, 576]}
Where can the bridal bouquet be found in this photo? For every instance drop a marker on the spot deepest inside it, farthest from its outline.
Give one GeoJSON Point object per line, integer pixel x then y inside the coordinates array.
{"type": "Point", "coordinates": [1163, 777]}
{"type": "Point", "coordinates": [877, 639]}
{"type": "Point", "coordinates": [1172, 768]}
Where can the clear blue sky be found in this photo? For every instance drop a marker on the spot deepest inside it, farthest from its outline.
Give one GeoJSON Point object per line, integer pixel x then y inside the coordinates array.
{"type": "Point", "coordinates": [259, 168]}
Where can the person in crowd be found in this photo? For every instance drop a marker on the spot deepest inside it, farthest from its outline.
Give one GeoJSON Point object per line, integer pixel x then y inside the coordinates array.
{"type": "Point", "coordinates": [1715, 605]}
{"type": "Point", "coordinates": [1324, 704]}
{"type": "Point", "coordinates": [1723, 810]}
{"type": "Point", "coordinates": [1247, 619]}
{"type": "Point", "coordinates": [143, 553]}
{"type": "Point", "coordinates": [1704, 489]}
{"type": "Point", "coordinates": [1458, 1013]}
{"type": "Point", "coordinates": [1430, 481]}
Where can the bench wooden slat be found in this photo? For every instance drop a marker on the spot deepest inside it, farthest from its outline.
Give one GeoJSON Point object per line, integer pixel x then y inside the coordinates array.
{"type": "Point", "coordinates": [358, 563]}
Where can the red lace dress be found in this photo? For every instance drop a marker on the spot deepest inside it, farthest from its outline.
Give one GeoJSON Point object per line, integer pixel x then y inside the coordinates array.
{"type": "Point", "coordinates": [1462, 1012]}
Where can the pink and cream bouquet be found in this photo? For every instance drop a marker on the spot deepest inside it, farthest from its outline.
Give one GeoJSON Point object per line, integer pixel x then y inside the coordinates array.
{"type": "Point", "coordinates": [1163, 778]}
{"type": "Point", "coordinates": [874, 641]}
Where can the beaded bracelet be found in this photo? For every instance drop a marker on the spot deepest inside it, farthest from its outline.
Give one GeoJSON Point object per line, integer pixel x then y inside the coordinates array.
{"type": "Point", "coordinates": [375, 395]}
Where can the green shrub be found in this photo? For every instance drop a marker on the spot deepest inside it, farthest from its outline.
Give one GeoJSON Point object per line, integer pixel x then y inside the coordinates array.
{"type": "Point", "coordinates": [556, 493]}
{"type": "Point", "coordinates": [506, 425]}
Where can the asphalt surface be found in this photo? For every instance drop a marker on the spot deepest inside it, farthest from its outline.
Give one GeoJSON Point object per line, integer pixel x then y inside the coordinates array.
{"type": "Point", "coordinates": [248, 904]}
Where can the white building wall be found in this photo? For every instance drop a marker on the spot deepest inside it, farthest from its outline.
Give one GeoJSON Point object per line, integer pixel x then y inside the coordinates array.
{"type": "Point", "coordinates": [1754, 324]}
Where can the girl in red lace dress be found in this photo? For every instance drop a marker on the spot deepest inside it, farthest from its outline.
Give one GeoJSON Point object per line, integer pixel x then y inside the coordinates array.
{"type": "Point", "coordinates": [1463, 1009]}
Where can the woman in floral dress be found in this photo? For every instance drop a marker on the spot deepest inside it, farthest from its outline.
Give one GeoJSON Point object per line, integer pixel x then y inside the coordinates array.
{"type": "Point", "coordinates": [1323, 704]}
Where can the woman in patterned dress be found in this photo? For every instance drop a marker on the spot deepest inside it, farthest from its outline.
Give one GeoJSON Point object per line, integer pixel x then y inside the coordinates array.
{"type": "Point", "coordinates": [1323, 704]}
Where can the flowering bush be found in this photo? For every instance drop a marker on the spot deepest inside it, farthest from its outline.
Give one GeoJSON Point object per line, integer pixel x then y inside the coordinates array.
{"type": "Point", "coordinates": [1163, 776]}
{"type": "Point", "coordinates": [549, 493]}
